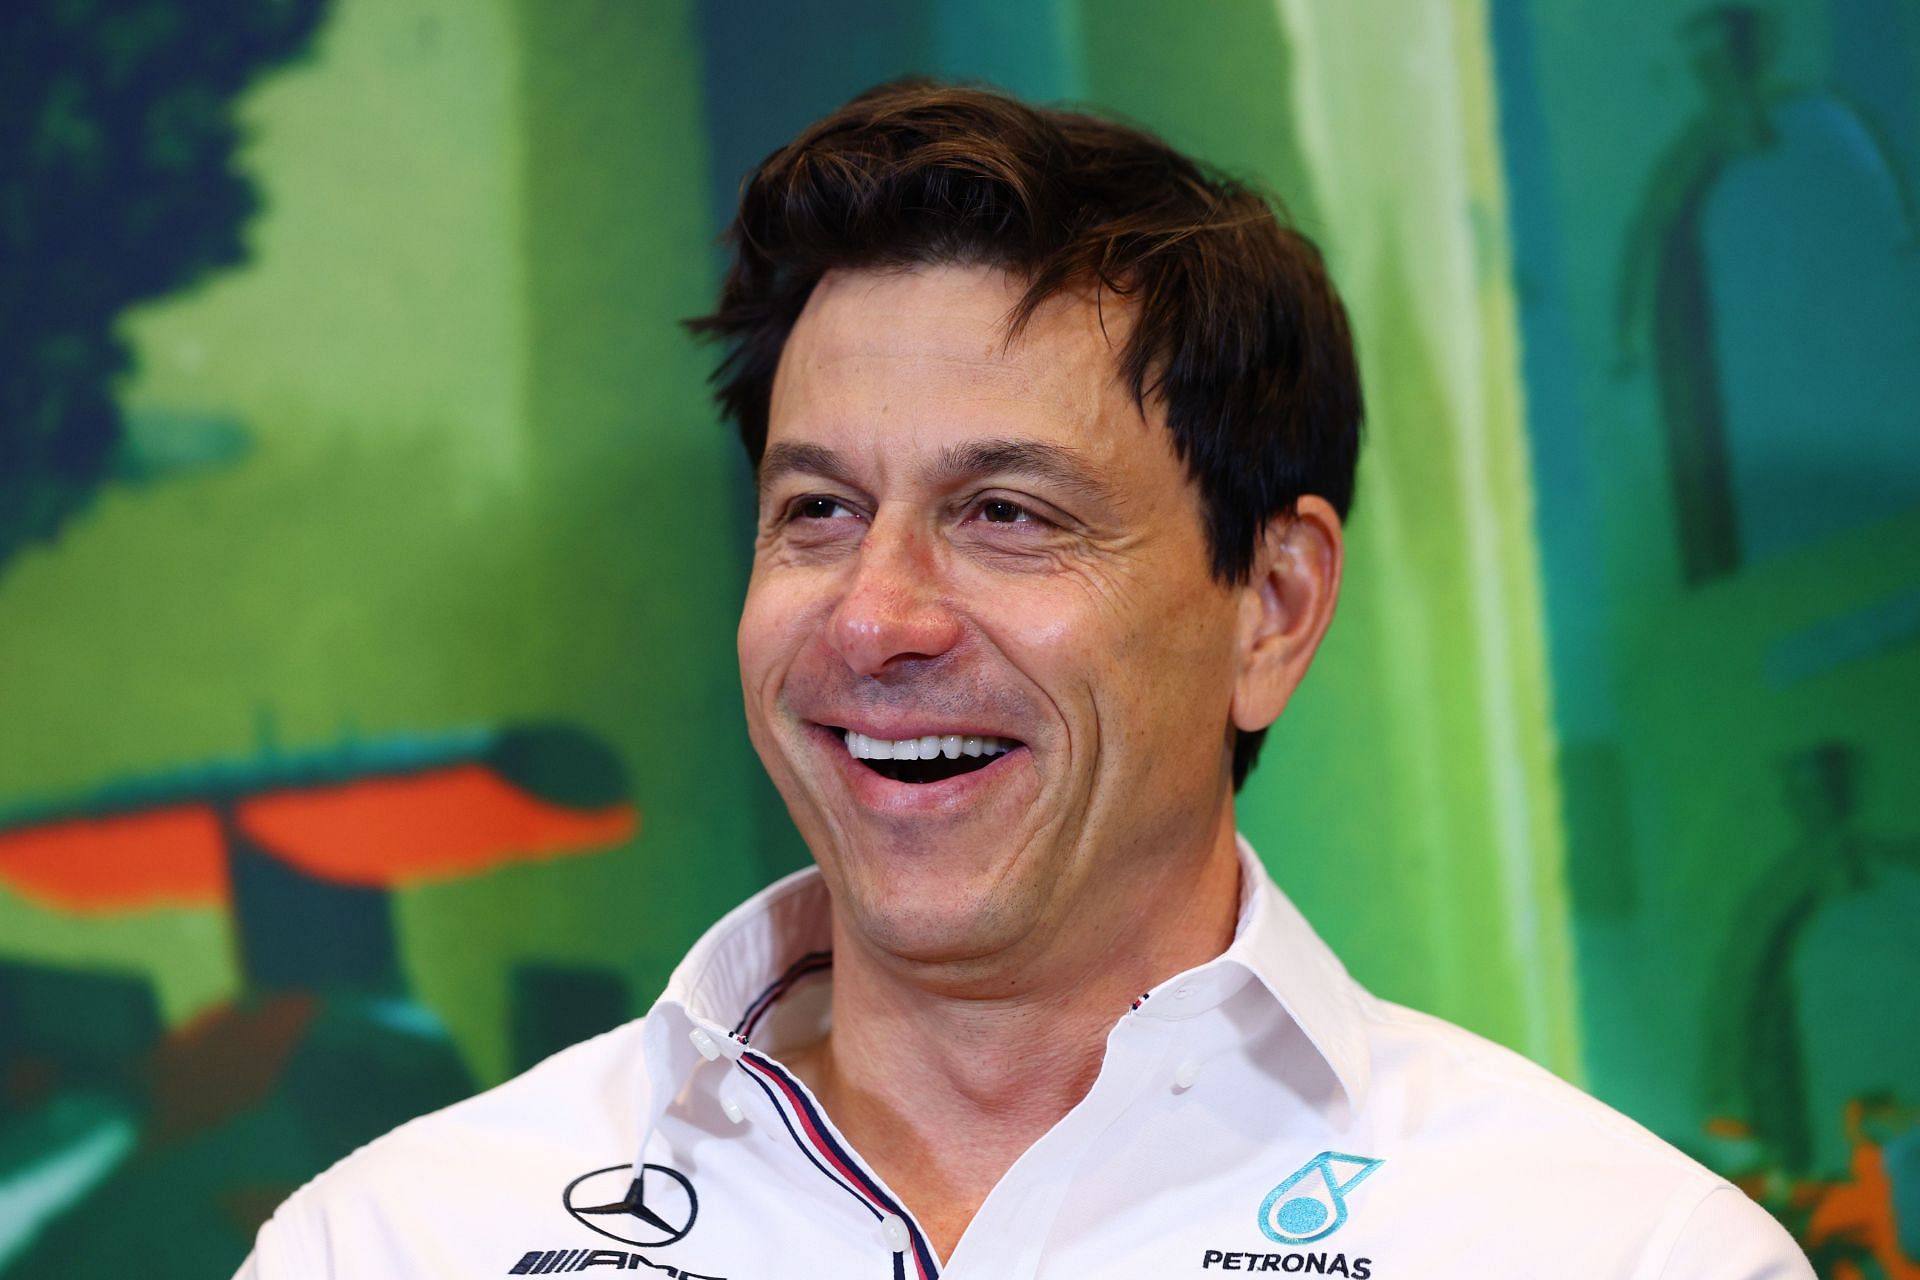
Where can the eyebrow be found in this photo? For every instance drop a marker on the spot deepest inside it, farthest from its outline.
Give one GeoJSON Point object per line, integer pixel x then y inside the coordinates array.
{"type": "Point", "coordinates": [786, 459]}
{"type": "Point", "coordinates": [956, 463]}
{"type": "Point", "coordinates": [1049, 462]}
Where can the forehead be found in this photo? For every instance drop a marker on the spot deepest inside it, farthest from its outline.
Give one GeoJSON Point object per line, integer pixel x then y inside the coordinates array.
{"type": "Point", "coordinates": [885, 361]}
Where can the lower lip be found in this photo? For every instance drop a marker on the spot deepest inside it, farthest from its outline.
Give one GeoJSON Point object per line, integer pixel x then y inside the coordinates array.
{"type": "Point", "coordinates": [878, 792]}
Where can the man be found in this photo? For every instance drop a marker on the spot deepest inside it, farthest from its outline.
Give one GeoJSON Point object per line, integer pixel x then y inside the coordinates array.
{"type": "Point", "coordinates": [1054, 434]}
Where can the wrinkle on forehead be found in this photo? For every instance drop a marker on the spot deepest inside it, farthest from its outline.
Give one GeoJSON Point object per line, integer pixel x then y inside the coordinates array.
{"type": "Point", "coordinates": [1065, 359]}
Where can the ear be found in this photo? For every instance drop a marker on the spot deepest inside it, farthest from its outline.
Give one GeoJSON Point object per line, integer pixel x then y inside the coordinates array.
{"type": "Point", "coordinates": [1285, 608]}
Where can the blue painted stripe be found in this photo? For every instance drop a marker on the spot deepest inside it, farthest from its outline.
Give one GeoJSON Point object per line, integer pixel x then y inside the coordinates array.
{"type": "Point", "coordinates": [1883, 627]}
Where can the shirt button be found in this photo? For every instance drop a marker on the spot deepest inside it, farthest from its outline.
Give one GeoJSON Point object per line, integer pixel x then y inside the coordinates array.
{"type": "Point", "coordinates": [709, 1047]}
{"type": "Point", "coordinates": [1186, 1073]}
{"type": "Point", "coordinates": [1181, 993]}
{"type": "Point", "coordinates": [735, 1112]}
{"type": "Point", "coordinates": [893, 1229]}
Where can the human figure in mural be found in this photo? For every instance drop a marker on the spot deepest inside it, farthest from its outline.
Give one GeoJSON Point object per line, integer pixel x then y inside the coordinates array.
{"type": "Point", "coordinates": [1684, 299]}
{"type": "Point", "coordinates": [1832, 916]}
{"type": "Point", "coordinates": [1054, 435]}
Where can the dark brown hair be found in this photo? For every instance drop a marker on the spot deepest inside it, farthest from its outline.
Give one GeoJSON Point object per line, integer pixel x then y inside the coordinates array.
{"type": "Point", "coordinates": [1237, 330]}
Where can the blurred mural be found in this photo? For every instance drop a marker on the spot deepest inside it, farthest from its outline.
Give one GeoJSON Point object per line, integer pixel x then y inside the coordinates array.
{"type": "Point", "coordinates": [369, 553]}
{"type": "Point", "coordinates": [1720, 292]}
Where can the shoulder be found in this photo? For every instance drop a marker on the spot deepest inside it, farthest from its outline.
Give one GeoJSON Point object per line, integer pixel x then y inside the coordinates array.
{"type": "Point", "coordinates": [1460, 1078]}
{"type": "Point", "coordinates": [495, 1157]}
{"type": "Point", "coordinates": [1557, 1165]}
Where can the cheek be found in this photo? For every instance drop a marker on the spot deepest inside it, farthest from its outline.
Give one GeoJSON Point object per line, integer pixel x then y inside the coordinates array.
{"type": "Point", "coordinates": [1155, 665]}
{"type": "Point", "coordinates": [1179, 676]}
{"type": "Point", "coordinates": [773, 619]}
{"type": "Point", "coordinates": [786, 659]}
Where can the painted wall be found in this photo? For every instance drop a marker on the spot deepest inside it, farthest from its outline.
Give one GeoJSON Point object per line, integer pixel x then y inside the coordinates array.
{"type": "Point", "coordinates": [1720, 300]}
{"type": "Point", "coordinates": [367, 579]}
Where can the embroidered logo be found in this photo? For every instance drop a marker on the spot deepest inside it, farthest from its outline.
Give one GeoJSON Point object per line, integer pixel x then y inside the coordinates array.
{"type": "Point", "coordinates": [654, 1209]}
{"type": "Point", "coordinates": [1311, 1204]}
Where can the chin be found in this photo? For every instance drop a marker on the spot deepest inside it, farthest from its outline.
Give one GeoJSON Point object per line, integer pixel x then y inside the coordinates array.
{"type": "Point", "coordinates": [932, 918]}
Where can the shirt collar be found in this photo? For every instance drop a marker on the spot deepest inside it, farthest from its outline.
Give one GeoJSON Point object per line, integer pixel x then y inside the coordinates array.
{"type": "Point", "coordinates": [738, 960]}
{"type": "Point", "coordinates": [755, 950]}
{"type": "Point", "coordinates": [1275, 942]}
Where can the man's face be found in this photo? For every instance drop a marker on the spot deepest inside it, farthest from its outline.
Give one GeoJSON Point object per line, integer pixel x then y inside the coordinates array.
{"type": "Point", "coordinates": [960, 540]}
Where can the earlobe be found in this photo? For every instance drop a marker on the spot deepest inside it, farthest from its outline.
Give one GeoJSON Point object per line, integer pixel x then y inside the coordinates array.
{"type": "Point", "coordinates": [1286, 607]}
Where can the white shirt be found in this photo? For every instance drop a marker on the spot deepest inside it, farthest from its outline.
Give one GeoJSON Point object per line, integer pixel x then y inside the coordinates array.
{"type": "Point", "coordinates": [1261, 1112]}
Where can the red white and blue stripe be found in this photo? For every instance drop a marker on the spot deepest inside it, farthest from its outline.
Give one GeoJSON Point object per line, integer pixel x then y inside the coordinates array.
{"type": "Point", "coordinates": [811, 963]}
{"type": "Point", "coordinates": [809, 1129]}
{"type": "Point", "coordinates": [818, 1143]}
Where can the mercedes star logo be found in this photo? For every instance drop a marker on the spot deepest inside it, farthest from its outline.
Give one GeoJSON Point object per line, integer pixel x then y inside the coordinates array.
{"type": "Point", "coordinates": [654, 1209]}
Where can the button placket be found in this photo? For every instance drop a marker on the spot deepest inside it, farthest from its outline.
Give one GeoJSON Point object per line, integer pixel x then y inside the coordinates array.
{"type": "Point", "coordinates": [1028, 1200]}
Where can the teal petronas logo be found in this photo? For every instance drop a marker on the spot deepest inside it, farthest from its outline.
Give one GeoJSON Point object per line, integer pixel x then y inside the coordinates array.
{"type": "Point", "coordinates": [1312, 1203]}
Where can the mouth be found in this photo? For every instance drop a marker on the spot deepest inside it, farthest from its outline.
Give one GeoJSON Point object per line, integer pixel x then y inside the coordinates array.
{"type": "Point", "coordinates": [933, 757]}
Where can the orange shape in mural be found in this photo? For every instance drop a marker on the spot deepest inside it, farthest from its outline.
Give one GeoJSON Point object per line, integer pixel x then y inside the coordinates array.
{"type": "Point", "coordinates": [382, 832]}
{"type": "Point", "coordinates": [1862, 1212]}
{"type": "Point", "coordinates": [158, 858]}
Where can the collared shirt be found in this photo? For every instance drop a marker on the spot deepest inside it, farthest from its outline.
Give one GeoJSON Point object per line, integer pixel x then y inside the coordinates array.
{"type": "Point", "coordinates": [1261, 1112]}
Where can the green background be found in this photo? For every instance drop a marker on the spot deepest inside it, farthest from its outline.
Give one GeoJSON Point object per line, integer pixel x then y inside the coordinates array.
{"type": "Point", "coordinates": [1631, 797]}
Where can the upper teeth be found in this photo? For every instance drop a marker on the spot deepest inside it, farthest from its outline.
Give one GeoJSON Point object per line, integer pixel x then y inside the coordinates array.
{"type": "Point", "coordinates": [950, 745]}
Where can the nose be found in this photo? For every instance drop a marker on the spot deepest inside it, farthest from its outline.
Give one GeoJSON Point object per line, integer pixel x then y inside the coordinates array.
{"type": "Point", "coordinates": [893, 609]}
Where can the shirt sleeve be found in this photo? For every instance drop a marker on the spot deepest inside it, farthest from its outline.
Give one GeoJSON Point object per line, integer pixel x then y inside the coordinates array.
{"type": "Point", "coordinates": [1729, 1237]}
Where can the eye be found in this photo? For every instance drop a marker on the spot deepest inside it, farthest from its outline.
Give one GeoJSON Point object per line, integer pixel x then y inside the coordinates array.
{"type": "Point", "coordinates": [1001, 511]}
{"type": "Point", "coordinates": [820, 507]}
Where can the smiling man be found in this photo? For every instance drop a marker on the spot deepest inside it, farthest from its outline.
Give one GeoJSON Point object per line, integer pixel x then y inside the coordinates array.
{"type": "Point", "coordinates": [991, 671]}
{"type": "Point", "coordinates": [1054, 433]}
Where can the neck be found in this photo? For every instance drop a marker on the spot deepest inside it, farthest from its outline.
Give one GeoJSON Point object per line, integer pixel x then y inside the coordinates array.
{"type": "Point", "coordinates": [941, 1080]}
